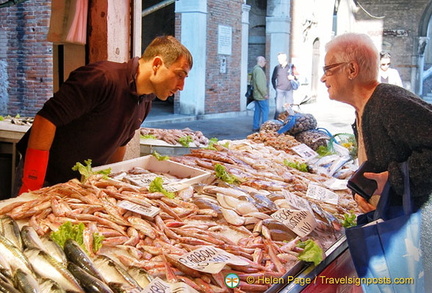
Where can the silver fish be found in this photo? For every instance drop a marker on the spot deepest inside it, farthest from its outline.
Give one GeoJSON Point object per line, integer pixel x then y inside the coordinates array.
{"type": "Point", "coordinates": [140, 275]}
{"type": "Point", "coordinates": [55, 250]}
{"type": "Point", "coordinates": [6, 287]}
{"type": "Point", "coordinates": [78, 256]}
{"type": "Point", "coordinates": [30, 238]}
{"type": "Point", "coordinates": [124, 288]}
{"type": "Point", "coordinates": [50, 286]}
{"type": "Point", "coordinates": [25, 283]}
{"type": "Point", "coordinates": [11, 231]}
{"type": "Point", "coordinates": [5, 267]}
{"type": "Point", "coordinates": [14, 256]}
{"type": "Point", "coordinates": [47, 267]}
{"type": "Point", "coordinates": [90, 283]}
{"type": "Point", "coordinates": [112, 272]}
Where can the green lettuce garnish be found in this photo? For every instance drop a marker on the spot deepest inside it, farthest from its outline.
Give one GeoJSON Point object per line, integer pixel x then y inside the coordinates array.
{"type": "Point", "coordinates": [69, 231]}
{"type": "Point", "coordinates": [86, 171]}
{"type": "Point", "coordinates": [349, 220]}
{"type": "Point", "coordinates": [75, 232]}
{"type": "Point", "coordinates": [323, 151]}
{"type": "Point", "coordinates": [157, 186]}
{"type": "Point", "coordinates": [159, 157]}
{"type": "Point", "coordinates": [312, 252]}
{"type": "Point", "coordinates": [185, 140]}
{"type": "Point", "coordinates": [148, 136]}
{"type": "Point", "coordinates": [213, 142]}
{"type": "Point", "coordinates": [224, 175]}
{"type": "Point", "coordinates": [296, 165]}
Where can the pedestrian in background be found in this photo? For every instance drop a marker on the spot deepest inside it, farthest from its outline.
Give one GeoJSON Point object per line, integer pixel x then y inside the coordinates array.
{"type": "Point", "coordinates": [260, 94]}
{"type": "Point", "coordinates": [386, 73]}
{"type": "Point", "coordinates": [284, 81]}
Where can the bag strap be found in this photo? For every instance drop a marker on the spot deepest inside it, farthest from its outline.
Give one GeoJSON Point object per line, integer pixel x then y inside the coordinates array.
{"type": "Point", "coordinates": [383, 203]}
{"type": "Point", "coordinates": [290, 123]}
{"type": "Point", "coordinates": [407, 200]}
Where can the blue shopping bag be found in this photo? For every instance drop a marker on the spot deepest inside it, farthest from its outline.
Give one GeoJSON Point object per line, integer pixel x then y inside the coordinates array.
{"type": "Point", "coordinates": [386, 253]}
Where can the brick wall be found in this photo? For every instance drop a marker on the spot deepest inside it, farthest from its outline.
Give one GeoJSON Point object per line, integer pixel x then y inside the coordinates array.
{"type": "Point", "coordinates": [222, 89]}
{"type": "Point", "coordinates": [27, 57]}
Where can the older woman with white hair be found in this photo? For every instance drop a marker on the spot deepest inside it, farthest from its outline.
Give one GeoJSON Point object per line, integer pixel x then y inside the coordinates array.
{"type": "Point", "coordinates": [392, 126]}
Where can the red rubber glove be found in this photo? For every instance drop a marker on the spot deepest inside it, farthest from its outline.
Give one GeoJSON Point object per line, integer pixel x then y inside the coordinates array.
{"type": "Point", "coordinates": [35, 166]}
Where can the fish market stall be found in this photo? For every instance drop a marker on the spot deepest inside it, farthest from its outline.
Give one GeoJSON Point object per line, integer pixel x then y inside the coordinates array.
{"type": "Point", "coordinates": [171, 142]}
{"type": "Point", "coordinates": [11, 131]}
{"type": "Point", "coordinates": [206, 221]}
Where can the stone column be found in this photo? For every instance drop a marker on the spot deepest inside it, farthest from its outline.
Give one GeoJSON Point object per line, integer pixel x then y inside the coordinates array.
{"type": "Point", "coordinates": [278, 32]}
{"type": "Point", "coordinates": [194, 35]}
{"type": "Point", "coordinates": [244, 55]}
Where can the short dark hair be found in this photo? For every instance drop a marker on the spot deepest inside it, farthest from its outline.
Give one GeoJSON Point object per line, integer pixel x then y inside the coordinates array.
{"type": "Point", "coordinates": [169, 48]}
{"type": "Point", "coordinates": [384, 55]}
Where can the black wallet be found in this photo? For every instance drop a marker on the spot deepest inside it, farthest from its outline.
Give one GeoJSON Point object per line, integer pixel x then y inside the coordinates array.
{"type": "Point", "coordinates": [361, 185]}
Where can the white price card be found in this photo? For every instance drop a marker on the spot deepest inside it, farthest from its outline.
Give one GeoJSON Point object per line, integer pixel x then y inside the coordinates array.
{"type": "Point", "coordinates": [149, 211]}
{"type": "Point", "coordinates": [297, 202]}
{"type": "Point", "coordinates": [160, 286]}
{"type": "Point", "coordinates": [300, 222]}
{"type": "Point", "coordinates": [305, 152]}
{"type": "Point", "coordinates": [210, 259]}
{"type": "Point", "coordinates": [322, 194]}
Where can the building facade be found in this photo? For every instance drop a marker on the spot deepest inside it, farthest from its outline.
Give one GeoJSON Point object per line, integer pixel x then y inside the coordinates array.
{"type": "Point", "coordinates": [224, 36]}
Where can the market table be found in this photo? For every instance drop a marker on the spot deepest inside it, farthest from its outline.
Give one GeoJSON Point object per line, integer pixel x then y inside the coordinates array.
{"type": "Point", "coordinates": [10, 134]}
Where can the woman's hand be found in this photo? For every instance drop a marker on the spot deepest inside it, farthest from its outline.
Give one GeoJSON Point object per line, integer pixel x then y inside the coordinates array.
{"type": "Point", "coordinates": [381, 180]}
{"type": "Point", "coordinates": [363, 204]}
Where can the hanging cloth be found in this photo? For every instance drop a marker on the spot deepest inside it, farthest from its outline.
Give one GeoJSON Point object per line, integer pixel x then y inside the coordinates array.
{"type": "Point", "coordinates": [68, 22]}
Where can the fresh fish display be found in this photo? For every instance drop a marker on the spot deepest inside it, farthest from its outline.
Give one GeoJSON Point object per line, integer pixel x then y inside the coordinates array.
{"type": "Point", "coordinates": [25, 283]}
{"type": "Point", "coordinates": [14, 256]}
{"type": "Point", "coordinates": [240, 219]}
{"type": "Point", "coordinates": [77, 255]}
{"type": "Point", "coordinates": [90, 283]}
{"type": "Point", "coordinates": [11, 231]}
{"type": "Point", "coordinates": [50, 286]}
{"type": "Point", "coordinates": [47, 267]}
{"type": "Point", "coordinates": [112, 272]}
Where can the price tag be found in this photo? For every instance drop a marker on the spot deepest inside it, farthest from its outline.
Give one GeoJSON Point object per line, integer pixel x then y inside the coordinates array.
{"type": "Point", "coordinates": [297, 202]}
{"type": "Point", "coordinates": [305, 152]}
{"type": "Point", "coordinates": [160, 286]}
{"type": "Point", "coordinates": [300, 222]}
{"type": "Point", "coordinates": [322, 194]}
{"type": "Point", "coordinates": [149, 211]}
{"type": "Point", "coordinates": [210, 259]}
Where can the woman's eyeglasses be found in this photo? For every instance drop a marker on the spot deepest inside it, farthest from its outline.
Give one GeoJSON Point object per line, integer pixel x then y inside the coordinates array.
{"type": "Point", "coordinates": [327, 68]}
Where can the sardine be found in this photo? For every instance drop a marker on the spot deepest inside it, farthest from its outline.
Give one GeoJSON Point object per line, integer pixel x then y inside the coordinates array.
{"type": "Point", "coordinates": [11, 231]}
{"type": "Point", "coordinates": [25, 283]}
{"type": "Point", "coordinates": [90, 283]}
{"type": "Point", "coordinates": [50, 286]}
{"type": "Point", "coordinates": [124, 288]}
{"type": "Point", "coordinates": [140, 275]}
{"type": "Point", "coordinates": [6, 287]}
{"type": "Point", "coordinates": [55, 250]}
{"type": "Point", "coordinates": [112, 272]}
{"type": "Point", "coordinates": [47, 267]}
{"type": "Point", "coordinates": [14, 256]}
{"type": "Point", "coordinates": [77, 255]}
{"type": "Point", "coordinates": [30, 238]}
{"type": "Point", "coordinates": [5, 267]}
